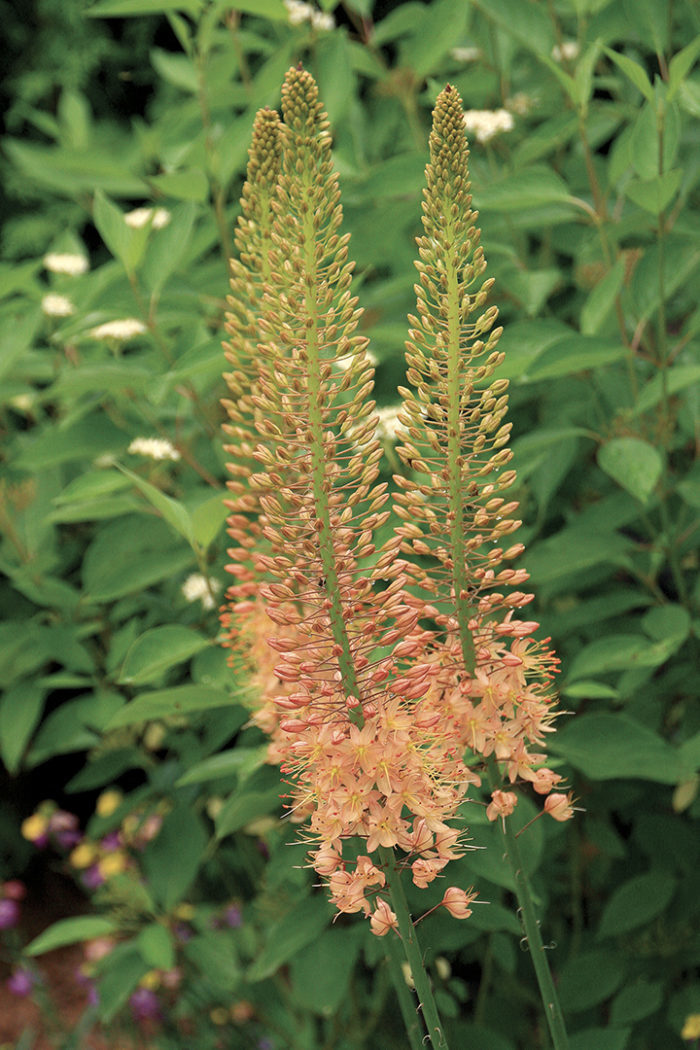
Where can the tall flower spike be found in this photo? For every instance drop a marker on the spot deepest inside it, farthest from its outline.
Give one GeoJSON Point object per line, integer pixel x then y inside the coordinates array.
{"type": "Point", "coordinates": [365, 757]}
{"type": "Point", "coordinates": [456, 519]}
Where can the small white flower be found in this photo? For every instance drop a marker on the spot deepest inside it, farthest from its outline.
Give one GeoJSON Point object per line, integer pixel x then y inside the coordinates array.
{"type": "Point", "coordinates": [66, 262]}
{"type": "Point", "coordinates": [388, 426]}
{"type": "Point", "coordinates": [299, 12]}
{"type": "Point", "coordinates": [322, 20]}
{"type": "Point", "coordinates": [122, 330]}
{"type": "Point", "coordinates": [484, 124]}
{"type": "Point", "coordinates": [159, 217]}
{"type": "Point", "coordinates": [197, 587]}
{"type": "Point", "coordinates": [566, 52]}
{"type": "Point", "coordinates": [23, 402]}
{"type": "Point", "coordinates": [466, 54]}
{"type": "Point", "coordinates": [156, 448]}
{"type": "Point", "coordinates": [57, 305]}
{"type": "Point", "coordinates": [520, 103]}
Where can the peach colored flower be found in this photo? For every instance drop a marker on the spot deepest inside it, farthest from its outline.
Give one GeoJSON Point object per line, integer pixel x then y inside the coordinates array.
{"type": "Point", "coordinates": [502, 804]}
{"type": "Point", "coordinates": [457, 902]}
{"type": "Point", "coordinates": [383, 919]}
{"type": "Point", "coordinates": [559, 806]}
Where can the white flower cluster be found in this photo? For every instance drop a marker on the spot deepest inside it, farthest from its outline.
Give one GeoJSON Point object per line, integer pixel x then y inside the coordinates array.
{"type": "Point", "coordinates": [121, 331]}
{"type": "Point", "coordinates": [155, 448]}
{"type": "Point", "coordinates": [484, 124]}
{"type": "Point", "coordinates": [300, 12]}
{"type": "Point", "coordinates": [466, 54]}
{"type": "Point", "coordinates": [139, 217]}
{"type": "Point", "coordinates": [57, 305]}
{"type": "Point", "coordinates": [388, 426]}
{"type": "Point", "coordinates": [197, 587]}
{"type": "Point", "coordinates": [567, 51]}
{"type": "Point", "coordinates": [69, 263]}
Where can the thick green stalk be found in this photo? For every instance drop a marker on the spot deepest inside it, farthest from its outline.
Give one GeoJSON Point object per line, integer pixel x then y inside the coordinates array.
{"type": "Point", "coordinates": [411, 1017]}
{"type": "Point", "coordinates": [548, 993]}
{"type": "Point", "coordinates": [412, 950]}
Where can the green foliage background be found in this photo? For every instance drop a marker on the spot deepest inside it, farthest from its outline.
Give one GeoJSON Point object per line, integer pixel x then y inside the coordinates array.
{"type": "Point", "coordinates": [112, 677]}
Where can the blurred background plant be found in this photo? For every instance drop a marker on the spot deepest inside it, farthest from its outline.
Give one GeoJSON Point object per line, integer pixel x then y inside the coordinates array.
{"type": "Point", "coordinates": [128, 123]}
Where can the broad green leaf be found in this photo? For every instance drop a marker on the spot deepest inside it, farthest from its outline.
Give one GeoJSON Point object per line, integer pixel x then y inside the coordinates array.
{"type": "Point", "coordinates": [527, 22]}
{"type": "Point", "coordinates": [240, 761]}
{"type": "Point", "coordinates": [178, 70]}
{"type": "Point", "coordinates": [245, 806]}
{"type": "Point", "coordinates": [155, 944]}
{"type": "Point", "coordinates": [609, 747]}
{"type": "Point", "coordinates": [207, 520]}
{"type": "Point", "coordinates": [600, 1039]}
{"type": "Point", "coordinates": [301, 927]}
{"type": "Point", "coordinates": [574, 549]}
{"type": "Point", "coordinates": [71, 931]}
{"type": "Point", "coordinates": [20, 710]}
{"type": "Point", "coordinates": [622, 652]}
{"type": "Point", "coordinates": [320, 975]}
{"type": "Point", "coordinates": [634, 72]}
{"type": "Point", "coordinates": [336, 77]}
{"type": "Point", "coordinates": [172, 860]}
{"type": "Point", "coordinates": [191, 185]}
{"type": "Point", "coordinates": [601, 299]}
{"type": "Point", "coordinates": [667, 621]}
{"type": "Point", "coordinates": [90, 485]}
{"type": "Point", "coordinates": [213, 955]}
{"type": "Point", "coordinates": [590, 978]}
{"type": "Point", "coordinates": [528, 189]}
{"type": "Point", "coordinates": [637, 1001]}
{"type": "Point", "coordinates": [632, 463]}
{"type": "Point", "coordinates": [578, 353]}
{"type": "Point", "coordinates": [590, 690]}
{"type": "Point", "coordinates": [653, 195]}
{"type": "Point", "coordinates": [677, 378]}
{"type": "Point", "coordinates": [168, 246]}
{"type": "Point", "coordinates": [17, 336]}
{"type": "Point", "coordinates": [71, 173]}
{"type": "Point", "coordinates": [129, 8]}
{"type": "Point", "coordinates": [170, 510]}
{"type": "Point", "coordinates": [60, 444]}
{"type": "Point", "coordinates": [179, 700]}
{"type": "Point", "coordinates": [124, 242]}
{"type": "Point", "coordinates": [273, 9]}
{"type": "Point", "coordinates": [680, 65]}
{"type": "Point", "coordinates": [441, 24]}
{"type": "Point", "coordinates": [120, 978]}
{"type": "Point", "coordinates": [107, 580]}
{"type": "Point", "coordinates": [636, 903]}
{"type": "Point", "coordinates": [158, 650]}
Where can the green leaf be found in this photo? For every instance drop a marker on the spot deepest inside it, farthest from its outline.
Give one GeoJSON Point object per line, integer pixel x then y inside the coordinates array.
{"type": "Point", "coordinates": [637, 1001]}
{"type": "Point", "coordinates": [680, 65]}
{"type": "Point", "coordinates": [527, 22]}
{"type": "Point", "coordinates": [179, 700]}
{"type": "Point", "coordinates": [636, 903]}
{"type": "Point", "coordinates": [578, 353]}
{"type": "Point", "coordinates": [320, 975]}
{"type": "Point", "coordinates": [63, 443]}
{"type": "Point", "coordinates": [240, 761]}
{"type": "Point", "coordinates": [157, 651]}
{"type": "Point", "coordinates": [115, 985]}
{"type": "Point", "coordinates": [292, 933]}
{"type": "Point", "coordinates": [632, 463]}
{"type": "Point", "coordinates": [155, 943]}
{"type": "Point", "coordinates": [600, 1039]}
{"type": "Point", "coordinates": [441, 24]}
{"type": "Point", "coordinates": [172, 860]}
{"type": "Point", "coordinates": [129, 8]}
{"type": "Point", "coordinates": [190, 185]}
{"type": "Point", "coordinates": [106, 580]}
{"type": "Point", "coordinates": [608, 747]}
{"type": "Point", "coordinates": [574, 549]}
{"type": "Point", "coordinates": [273, 9]}
{"type": "Point", "coordinates": [244, 806]}
{"type": "Point", "coordinates": [207, 520]}
{"type": "Point", "coordinates": [126, 244]}
{"type": "Point", "coordinates": [622, 652]}
{"type": "Point", "coordinates": [528, 189]}
{"type": "Point", "coordinates": [601, 300]}
{"type": "Point", "coordinates": [70, 931]}
{"type": "Point", "coordinates": [653, 195]}
{"type": "Point", "coordinates": [634, 72]}
{"type": "Point", "coordinates": [20, 710]}
{"type": "Point", "coordinates": [590, 978]}
{"type": "Point", "coordinates": [667, 621]}
{"type": "Point", "coordinates": [178, 70]}
{"type": "Point", "coordinates": [90, 485]}
{"type": "Point", "coordinates": [214, 956]}
{"type": "Point", "coordinates": [170, 510]}
{"type": "Point", "coordinates": [677, 378]}
{"type": "Point", "coordinates": [168, 246]}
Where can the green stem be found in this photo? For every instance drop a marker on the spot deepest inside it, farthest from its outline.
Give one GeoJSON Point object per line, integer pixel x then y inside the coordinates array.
{"type": "Point", "coordinates": [412, 950]}
{"type": "Point", "coordinates": [548, 993]}
{"type": "Point", "coordinates": [411, 1017]}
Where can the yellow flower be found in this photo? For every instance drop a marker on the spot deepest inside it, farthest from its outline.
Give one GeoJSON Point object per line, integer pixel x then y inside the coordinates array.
{"type": "Point", "coordinates": [184, 912]}
{"type": "Point", "coordinates": [108, 802]}
{"type": "Point", "coordinates": [219, 1015]}
{"type": "Point", "coordinates": [34, 827]}
{"type": "Point", "coordinates": [83, 855]}
{"type": "Point", "coordinates": [150, 980]}
{"type": "Point", "coordinates": [113, 864]}
{"type": "Point", "coordinates": [691, 1028]}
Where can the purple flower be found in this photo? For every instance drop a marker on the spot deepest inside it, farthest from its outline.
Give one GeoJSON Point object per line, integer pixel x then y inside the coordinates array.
{"type": "Point", "coordinates": [67, 839]}
{"type": "Point", "coordinates": [144, 1004]}
{"type": "Point", "coordinates": [111, 841]}
{"type": "Point", "coordinates": [265, 1043]}
{"type": "Point", "coordinates": [9, 914]}
{"type": "Point", "coordinates": [21, 983]}
{"type": "Point", "coordinates": [93, 878]}
{"type": "Point", "coordinates": [233, 917]}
